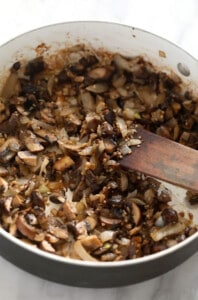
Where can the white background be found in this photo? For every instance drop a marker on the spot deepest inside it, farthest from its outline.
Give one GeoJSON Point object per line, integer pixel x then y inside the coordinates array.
{"type": "Point", "coordinates": [176, 20]}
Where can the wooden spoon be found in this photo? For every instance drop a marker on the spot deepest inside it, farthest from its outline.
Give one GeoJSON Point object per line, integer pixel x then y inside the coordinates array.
{"type": "Point", "coordinates": [164, 159]}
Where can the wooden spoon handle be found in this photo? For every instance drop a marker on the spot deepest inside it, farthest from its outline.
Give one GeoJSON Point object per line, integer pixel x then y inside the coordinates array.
{"type": "Point", "coordinates": [164, 159]}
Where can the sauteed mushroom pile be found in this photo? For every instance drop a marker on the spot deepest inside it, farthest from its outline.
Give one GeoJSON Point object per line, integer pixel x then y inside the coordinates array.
{"type": "Point", "coordinates": [65, 122]}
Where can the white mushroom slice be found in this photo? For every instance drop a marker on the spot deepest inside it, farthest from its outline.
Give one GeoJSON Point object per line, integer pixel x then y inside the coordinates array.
{"type": "Point", "coordinates": [28, 158]}
{"type": "Point", "coordinates": [46, 246]}
{"type": "Point", "coordinates": [99, 73]}
{"type": "Point", "coordinates": [63, 163]}
{"type": "Point", "coordinates": [91, 242]}
{"type": "Point", "coordinates": [3, 171]}
{"type": "Point", "coordinates": [122, 126]}
{"type": "Point", "coordinates": [159, 233]}
{"type": "Point", "coordinates": [98, 88]}
{"type": "Point", "coordinates": [87, 151]}
{"type": "Point", "coordinates": [31, 142]}
{"type": "Point", "coordinates": [127, 65]}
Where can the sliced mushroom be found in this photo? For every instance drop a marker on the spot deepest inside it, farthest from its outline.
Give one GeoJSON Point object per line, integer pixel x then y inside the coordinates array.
{"type": "Point", "coordinates": [17, 201]}
{"type": "Point", "coordinates": [46, 246]}
{"type": "Point", "coordinates": [31, 219]}
{"type": "Point", "coordinates": [159, 233]}
{"type": "Point", "coordinates": [107, 235]}
{"type": "Point", "coordinates": [9, 149]}
{"type": "Point", "coordinates": [136, 213]}
{"type": "Point", "coordinates": [3, 171]}
{"type": "Point", "coordinates": [69, 211]}
{"type": "Point", "coordinates": [109, 221]}
{"type": "Point", "coordinates": [127, 65]}
{"type": "Point", "coordinates": [88, 102]}
{"type": "Point", "coordinates": [91, 223]}
{"type": "Point", "coordinates": [56, 198]}
{"type": "Point", "coordinates": [91, 242]}
{"type": "Point", "coordinates": [31, 141]}
{"type": "Point", "coordinates": [97, 88]}
{"type": "Point", "coordinates": [122, 127]}
{"type": "Point", "coordinates": [26, 229]}
{"type": "Point", "coordinates": [3, 185]}
{"type": "Point", "coordinates": [28, 158]}
{"type": "Point", "coordinates": [99, 73]}
{"type": "Point", "coordinates": [12, 86]}
{"type": "Point", "coordinates": [50, 137]}
{"type": "Point", "coordinates": [92, 121]}
{"type": "Point", "coordinates": [7, 203]}
{"type": "Point", "coordinates": [60, 233]}
{"type": "Point", "coordinates": [11, 125]}
{"type": "Point", "coordinates": [63, 163]}
{"type": "Point", "coordinates": [37, 199]}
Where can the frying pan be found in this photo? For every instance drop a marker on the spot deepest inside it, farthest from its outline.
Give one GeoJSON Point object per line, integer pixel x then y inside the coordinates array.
{"type": "Point", "coordinates": [128, 41]}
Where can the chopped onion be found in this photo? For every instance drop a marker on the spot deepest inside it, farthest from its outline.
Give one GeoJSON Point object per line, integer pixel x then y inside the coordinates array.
{"type": "Point", "coordinates": [82, 253]}
{"type": "Point", "coordinates": [107, 235]}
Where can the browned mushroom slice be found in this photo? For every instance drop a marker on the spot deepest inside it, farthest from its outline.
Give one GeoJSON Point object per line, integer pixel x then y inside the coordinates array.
{"type": "Point", "coordinates": [63, 163]}
{"type": "Point", "coordinates": [28, 158]}
{"type": "Point", "coordinates": [50, 137]}
{"type": "Point", "coordinates": [3, 185]}
{"type": "Point", "coordinates": [17, 200]}
{"type": "Point", "coordinates": [46, 246]}
{"type": "Point", "coordinates": [92, 121]}
{"type": "Point", "coordinates": [26, 229]}
{"type": "Point", "coordinates": [69, 211]}
{"type": "Point", "coordinates": [109, 145]}
{"type": "Point", "coordinates": [11, 86]}
{"type": "Point", "coordinates": [60, 233]}
{"type": "Point", "coordinates": [11, 125]}
{"type": "Point", "coordinates": [7, 202]}
{"type": "Point", "coordinates": [71, 145]}
{"type": "Point", "coordinates": [31, 141]}
{"type": "Point", "coordinates": [88, 102]}
{"type": "Point", "coordinates": [90, 222]}
{"type": "Point", "coordinates": [56, 198]}
{"type": "Point", "coordinates": [37, 199]}
{"type": "Point", "coordinates": [3, 171]}
{"type": "Point", "coordinates": [136, 213]}
{"type": "Point", "coordinates": [109, 221]}
{"type": "Point", "coordinates": [91, 242]}
{"type": "Point", "coordinates": [9, 149]}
